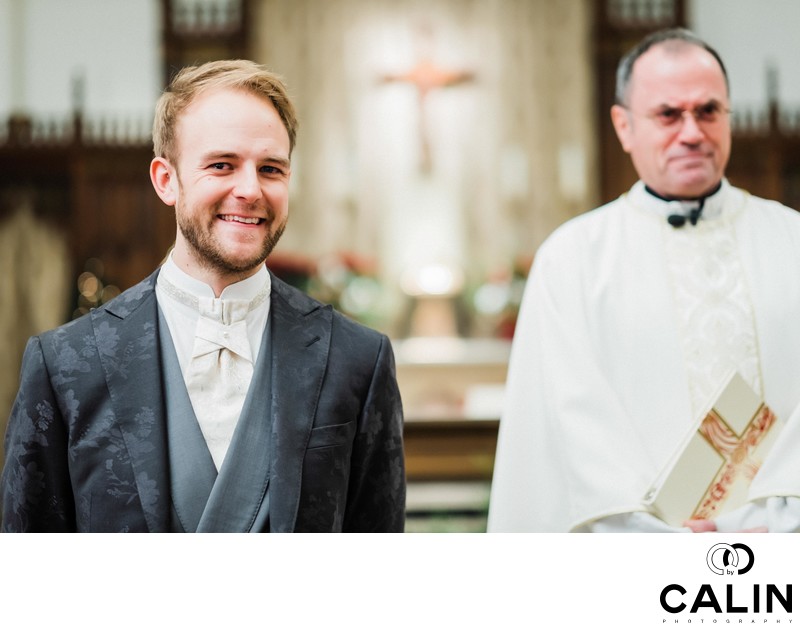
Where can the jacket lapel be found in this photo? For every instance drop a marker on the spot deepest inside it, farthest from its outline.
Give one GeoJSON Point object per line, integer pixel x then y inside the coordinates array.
{"type": "Point", "coordinates": [300, 336]}
{"type": "Point", "coordinates": [191, 470]}
{"type": "Point", "coordinates": [127, 342]}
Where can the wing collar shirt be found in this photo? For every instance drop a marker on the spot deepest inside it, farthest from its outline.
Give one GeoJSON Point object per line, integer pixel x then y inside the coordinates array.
{"type": "Point", "coordinates": [183, 299]}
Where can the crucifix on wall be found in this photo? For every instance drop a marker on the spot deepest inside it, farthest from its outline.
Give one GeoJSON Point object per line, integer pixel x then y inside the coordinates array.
{"type": "Point", "coordinates": [426, 76]}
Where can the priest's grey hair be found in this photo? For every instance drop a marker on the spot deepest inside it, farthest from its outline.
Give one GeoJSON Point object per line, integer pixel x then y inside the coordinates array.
{"type": "Point", "coordinates": [679, 36]}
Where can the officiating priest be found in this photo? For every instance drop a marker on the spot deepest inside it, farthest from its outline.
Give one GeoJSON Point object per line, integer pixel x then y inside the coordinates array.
{"type": "Point", "coordinates": [210, 397]}
{"type": "Point", "coordinates": [635, 314]}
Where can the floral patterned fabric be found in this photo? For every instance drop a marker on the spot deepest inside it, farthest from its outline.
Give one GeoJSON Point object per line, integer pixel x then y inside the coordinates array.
{"type": "Point", "coordinates": [86, 446]}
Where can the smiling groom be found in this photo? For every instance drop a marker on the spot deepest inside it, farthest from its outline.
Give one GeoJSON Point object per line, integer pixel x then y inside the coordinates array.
{"type": "Point", "coordinates": [210, 397]}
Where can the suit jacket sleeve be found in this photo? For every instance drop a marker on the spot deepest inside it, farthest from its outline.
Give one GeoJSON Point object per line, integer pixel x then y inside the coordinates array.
{"type": "Point", "coordinates": [36, 494]}
{"type": "Point", "coordinates": [377, 493]}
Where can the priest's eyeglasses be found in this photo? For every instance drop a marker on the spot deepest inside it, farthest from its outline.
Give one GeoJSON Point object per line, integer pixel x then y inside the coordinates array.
{"type": "Point", "coordinates": [705, 114]}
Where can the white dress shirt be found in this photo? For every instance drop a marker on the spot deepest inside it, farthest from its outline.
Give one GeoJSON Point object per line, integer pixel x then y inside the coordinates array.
{"type": "Point", "coordinates": [182, 319]}
{"type": "Point", "coordinates": [176, 291]}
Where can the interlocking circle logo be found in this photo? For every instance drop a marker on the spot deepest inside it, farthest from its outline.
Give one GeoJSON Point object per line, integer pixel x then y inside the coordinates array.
{"type": "Point", "coordinates": [724, 556]}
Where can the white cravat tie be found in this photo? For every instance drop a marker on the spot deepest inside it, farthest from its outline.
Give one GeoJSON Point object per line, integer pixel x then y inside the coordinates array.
{"type": "Point", "coordinates": [221, 366]}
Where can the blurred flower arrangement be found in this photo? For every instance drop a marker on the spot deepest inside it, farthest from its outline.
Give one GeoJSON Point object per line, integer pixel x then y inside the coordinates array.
{"type": "Point", "coordinates": [350, 283]}
{"type": "Point", "coordinates": [496, 301]}
{"type": "Point", "coordinates": [345, 280]}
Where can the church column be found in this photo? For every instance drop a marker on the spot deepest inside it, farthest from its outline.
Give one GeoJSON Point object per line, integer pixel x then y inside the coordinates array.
{"type": "Point", "coordinates": [16, 51]}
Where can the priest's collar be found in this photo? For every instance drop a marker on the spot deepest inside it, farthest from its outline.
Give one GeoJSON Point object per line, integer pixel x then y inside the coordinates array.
{"type": "Point", "coordinates": [246, 289]}
{"type": "Point", "coordinates": [680, 212]}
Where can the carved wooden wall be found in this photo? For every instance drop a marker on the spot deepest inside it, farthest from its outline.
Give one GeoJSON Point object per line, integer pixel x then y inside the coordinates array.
{"type": "Point", "coordinates": [765, 156]}
{"type": "Point", "coordinates": [96, 190]}
{"type": "Point", "coordinates": [203, 30]}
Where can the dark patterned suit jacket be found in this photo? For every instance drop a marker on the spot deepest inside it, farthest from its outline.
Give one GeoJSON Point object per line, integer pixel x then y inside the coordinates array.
{"type": "Point", "coordinates": [86, 445]}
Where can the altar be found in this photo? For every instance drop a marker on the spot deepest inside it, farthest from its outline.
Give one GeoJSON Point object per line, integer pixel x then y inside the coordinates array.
{"type": "Point", "coordinates": [452, 391]}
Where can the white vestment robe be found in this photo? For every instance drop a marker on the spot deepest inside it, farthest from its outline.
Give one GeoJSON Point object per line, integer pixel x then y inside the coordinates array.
{"type": "Point", "coordinates": [603, 380]}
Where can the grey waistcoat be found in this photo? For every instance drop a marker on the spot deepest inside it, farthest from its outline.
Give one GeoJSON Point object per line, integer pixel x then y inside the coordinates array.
{"type": "Point", "coordinates": [236, 499]}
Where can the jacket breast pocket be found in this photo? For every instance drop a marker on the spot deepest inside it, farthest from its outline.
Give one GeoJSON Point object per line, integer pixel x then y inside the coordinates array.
{"type": "Point", "coordinates": [326, 473]}
{"type": "Point", "coordinates": [332, 435]}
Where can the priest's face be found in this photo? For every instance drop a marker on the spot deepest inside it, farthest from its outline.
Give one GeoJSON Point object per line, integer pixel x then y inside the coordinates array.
{"type": "Point", "coordinates": [231, 182]}
{"type": "Point", "coordinates": [676, 122]}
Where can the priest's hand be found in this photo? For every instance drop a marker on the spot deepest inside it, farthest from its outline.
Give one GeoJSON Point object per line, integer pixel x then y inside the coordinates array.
{"type": "Point", "coordinates": [708, 525]}
{"type": "Point", "coordinates": [701, 525]}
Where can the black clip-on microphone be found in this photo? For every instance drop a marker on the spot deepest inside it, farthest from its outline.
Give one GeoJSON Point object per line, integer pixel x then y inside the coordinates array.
{"type": "Point", "coordinates": [677, 221]}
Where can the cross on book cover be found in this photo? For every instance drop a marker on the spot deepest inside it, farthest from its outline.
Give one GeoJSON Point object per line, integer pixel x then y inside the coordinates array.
{"type": "Point", "coordinates": [712, 471]}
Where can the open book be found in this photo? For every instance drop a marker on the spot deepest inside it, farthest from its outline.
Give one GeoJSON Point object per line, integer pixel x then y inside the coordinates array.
{"type": "Point", "coordinates": [712, 470]}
